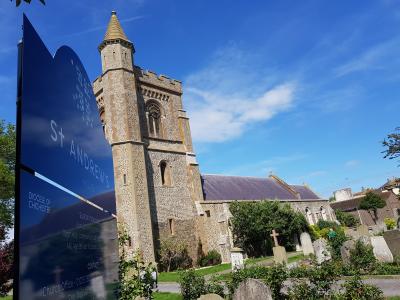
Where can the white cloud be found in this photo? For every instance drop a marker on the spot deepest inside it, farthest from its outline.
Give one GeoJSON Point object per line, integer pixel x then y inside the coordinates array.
{"type": "Point", "coordinates": [351, 163]}
{"type": "Point", "coordinates": [376, 57]}
{"type": "Point", "coordinates": [228, 95]}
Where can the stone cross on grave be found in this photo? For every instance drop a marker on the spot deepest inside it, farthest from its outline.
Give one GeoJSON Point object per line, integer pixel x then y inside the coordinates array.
{"type": "Point", "coordinates": [275, 235]}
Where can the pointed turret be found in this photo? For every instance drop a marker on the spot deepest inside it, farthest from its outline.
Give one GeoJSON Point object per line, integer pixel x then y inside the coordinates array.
{"type": "Point", "coordinates": [115, 33]}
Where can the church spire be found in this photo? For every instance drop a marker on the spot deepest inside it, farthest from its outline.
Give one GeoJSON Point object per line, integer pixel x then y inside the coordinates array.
{"type": "Point", "coordinates": [115, 33]}
{"type": "Point", "coordinates": [114, 29]}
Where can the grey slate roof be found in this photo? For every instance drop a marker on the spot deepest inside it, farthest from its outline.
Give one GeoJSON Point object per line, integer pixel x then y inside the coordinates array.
{"type": "Point", "coordinates": [220, 187]}
{"type": "Point", "coordinates": [305, 192]}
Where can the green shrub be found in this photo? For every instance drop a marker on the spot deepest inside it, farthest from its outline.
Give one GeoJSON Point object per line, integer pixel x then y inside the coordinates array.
{"type": "Point", "coordinates": [386, 269]}
{"type": "Point", "coordinates": [173, 255]}
{"type": "Point", "coordinates": [212, 258]}
{"type": "Point", "coordinates": [390, 223]}
{"type": "Point", "coordinates": [336, 242]}
{"type": "Point", "coordinates": [314, 232]}
{"type": "Point", "coordinates": [346, 219]}
{"type": "Point", "coordinates": [356, 289]}
{"type": "Point", "coordinates": [194, 285]}
{"type": "Point", "coordinates": [273, 276]}
{"type": "Point", "coordinates": [362, 257]}
{"type": "Point", "coordinates": [214, 287]}
{"type": "Point", "coordinates": [135, 276]}
{"type": "Point", "coordinates": [327, 224]}
{"type": "Point", "coordinates": [301, 290]}
{"type": "Point", "coordinates": [315, 282]}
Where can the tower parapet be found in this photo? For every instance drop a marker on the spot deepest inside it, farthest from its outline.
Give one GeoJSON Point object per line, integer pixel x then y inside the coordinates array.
{"type": "Point", "coordinates": [161, 81]}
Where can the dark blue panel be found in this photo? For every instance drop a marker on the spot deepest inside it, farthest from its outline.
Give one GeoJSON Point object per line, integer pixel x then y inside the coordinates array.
{"type": "Point", "coordinates": [68, 248]}
{"type": "Point", "coordinates": [61, 134]}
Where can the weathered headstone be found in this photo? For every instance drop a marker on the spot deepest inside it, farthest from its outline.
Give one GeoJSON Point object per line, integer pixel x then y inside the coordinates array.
{"type": "Point", "coordinates": [252, 289]}
{"type": "Point", "coordinates": [381, 250]}
{"type": "Point", "coordinates": [366, 240]}
{"type": "Point", "coordinates": [363, 230]}
{"type": "Point", "coordinates": [237, 259]}
{"type": "Point", "coordinates": [321, 251]}
{"type": "Point", "coordinates": [280, 256]}
{"type": "Point", "coordinates": [210, 297]}
{"type": "Point", "coordinates": [392, 239]}
{"type": "Point", "coordinates": [306, 243]}
{"type": "Point", "coordinates": [345, 250]}
{"type": "Point", "coordinates": [297, 242]}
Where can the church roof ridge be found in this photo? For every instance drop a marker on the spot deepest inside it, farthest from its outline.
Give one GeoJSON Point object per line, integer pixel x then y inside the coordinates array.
{"type": "Point", "coordinates": [240, 176]}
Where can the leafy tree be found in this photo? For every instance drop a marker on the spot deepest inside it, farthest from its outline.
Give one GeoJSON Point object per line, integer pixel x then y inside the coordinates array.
{"type": "Point", "coordinates": [252, 223]}
{"type": "Point", "coordinates": [7, 165]}
{"type": "Point", "coordinates": [173, 255]}
{"type": "Point", "coordinates": [346, 219]}
{"type": "Point", "coordinates": [6, 267]}
{"type": "Point", "coordinates": [18, 2]}
{"type": "Point", "coordinates": [393, 145]}
{"type": "Point", "coordinates": [372, 202]}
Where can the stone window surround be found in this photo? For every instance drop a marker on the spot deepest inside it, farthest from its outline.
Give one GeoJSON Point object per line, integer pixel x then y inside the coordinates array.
{"type": "Point", "coordinates": [165, 173]}
{"type": "Point", "coordinates": [154, 116]}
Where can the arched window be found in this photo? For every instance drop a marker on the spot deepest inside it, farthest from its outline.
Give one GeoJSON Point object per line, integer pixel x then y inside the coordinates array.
{"type": "Point", "coordinates": [323, 213]}
{"type": "Point", "coordinates": [153, 114]}
{"type": "Point", "coordinates": [309, 216]}
{"type": "Point", "coordinates": [165, 170]}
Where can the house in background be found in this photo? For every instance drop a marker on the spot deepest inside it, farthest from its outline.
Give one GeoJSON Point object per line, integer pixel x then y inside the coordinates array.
{"type": "Point", "coordinates": [348, 202]}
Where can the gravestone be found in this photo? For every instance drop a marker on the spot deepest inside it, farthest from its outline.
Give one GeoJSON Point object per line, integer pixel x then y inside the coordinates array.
{"type": "Point", "coordinates": [392, 239]}
{"type": "Point", "coordinates": [210, 297]}
{"type": "Point", "coordinates": [321, 251]}
{"type": "Point", "coordinates": [297, 242]}
{"type": "Point", "coordinates": [252, 289]}
{"type": "Point", "coordinates": [381, 250]}
{"type": "Point", "coordinates": [345, 250]}
{"type": "Point", "coordinates": [237, 259]}
{"type": "Point", "coordinates": [280, 256]}
{"type": "Point", "coordinates": [366, 240]}
{"type": "Point", "coordinates": [363, 230]}
{"type": "Point", "coordinates": [306, 243]}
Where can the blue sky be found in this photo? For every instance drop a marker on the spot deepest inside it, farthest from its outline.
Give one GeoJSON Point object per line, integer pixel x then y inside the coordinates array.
{"type": "Point", "coordinates": [304, 89]}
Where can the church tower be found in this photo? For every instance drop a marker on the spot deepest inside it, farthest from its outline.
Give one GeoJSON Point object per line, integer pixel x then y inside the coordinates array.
{"type": "Point", "coordinates": [116, 93]}
{"type": "Point", "coordinates": [157, 179]}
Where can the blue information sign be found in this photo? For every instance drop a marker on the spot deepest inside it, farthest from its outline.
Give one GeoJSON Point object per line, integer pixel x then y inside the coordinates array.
{"type": "Point", "coordinates": [66, 229]}
{"type": "Point", "coordinates": [68, 248]}
{"type": "Point", "coordinates": [61, 134]}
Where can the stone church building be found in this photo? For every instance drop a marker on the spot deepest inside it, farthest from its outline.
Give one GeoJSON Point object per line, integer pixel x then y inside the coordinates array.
{"type": "Point", "coordinates": [159, 189]}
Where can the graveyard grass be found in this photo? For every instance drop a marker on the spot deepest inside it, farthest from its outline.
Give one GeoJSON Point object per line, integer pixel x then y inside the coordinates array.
{"type": "Point", "coordinates": [174, 276]}
{"type": "Point", "coordinates": [167, 296]}
{"type": "Point", "coordinates": [10, 298]}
